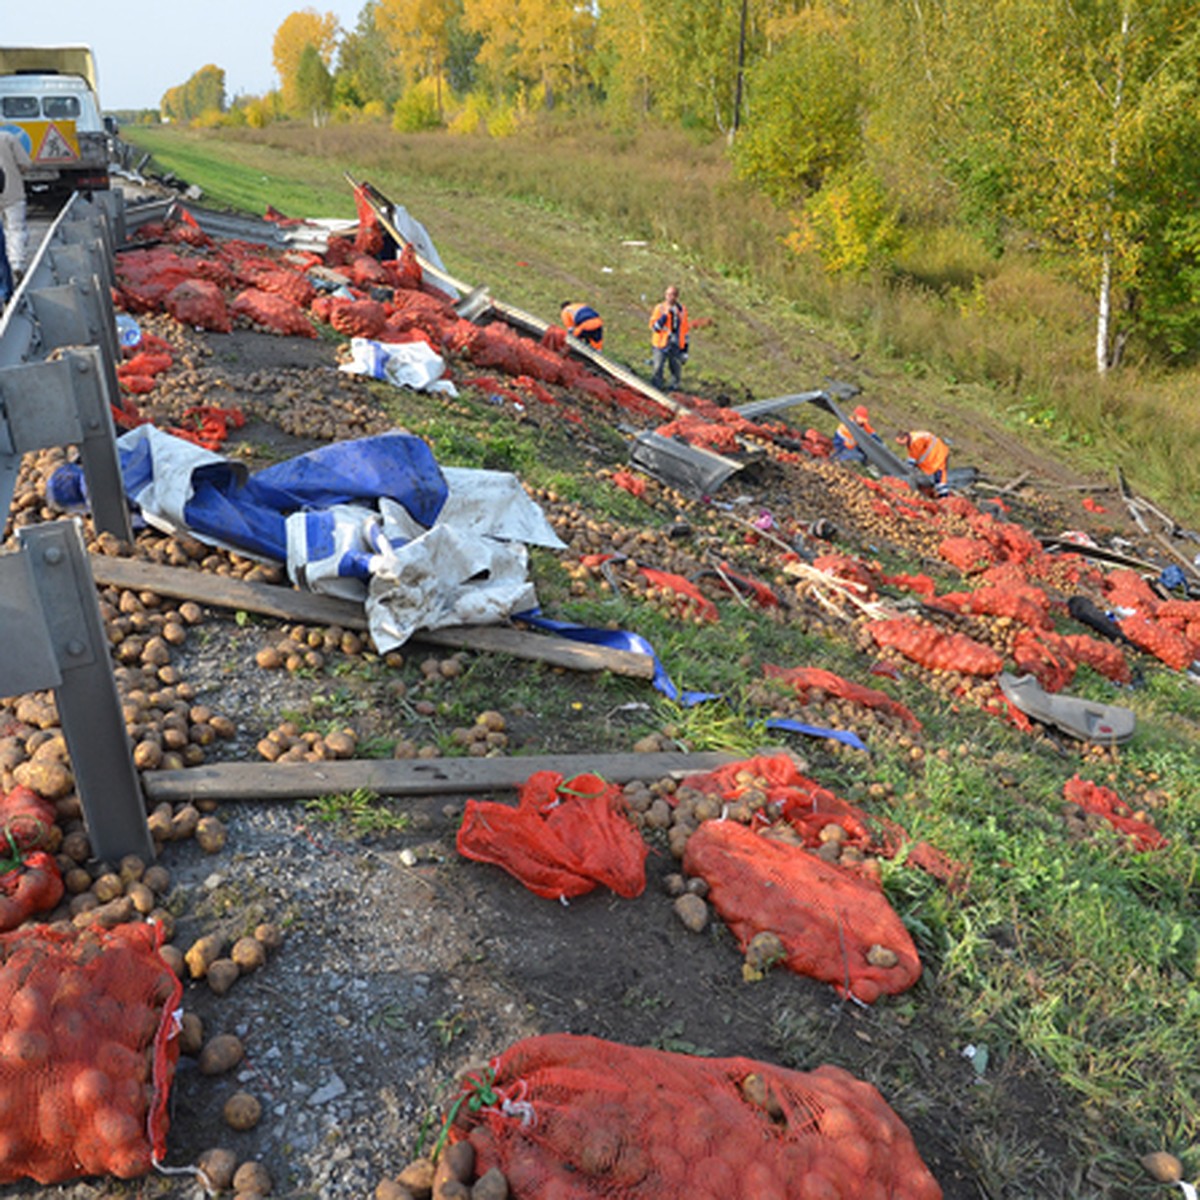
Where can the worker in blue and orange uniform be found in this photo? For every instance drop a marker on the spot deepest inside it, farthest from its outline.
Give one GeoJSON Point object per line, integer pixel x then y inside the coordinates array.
{"type": "Point", "coordinates": [669, 337]}
{"type": "Point", "coordinates": [583, 321]}
{"type": "Point", "coordinates": [928, 453]}
{"type": "Point", "coordinates": [845, 448]}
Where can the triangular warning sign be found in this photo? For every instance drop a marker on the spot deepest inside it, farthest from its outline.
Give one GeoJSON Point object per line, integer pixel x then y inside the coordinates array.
{"type": "Point", "coordinates": [54, 146]}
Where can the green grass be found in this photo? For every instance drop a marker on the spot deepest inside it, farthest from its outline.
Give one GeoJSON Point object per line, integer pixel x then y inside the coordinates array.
{"type": "Point", "coordinates": [358, 812]}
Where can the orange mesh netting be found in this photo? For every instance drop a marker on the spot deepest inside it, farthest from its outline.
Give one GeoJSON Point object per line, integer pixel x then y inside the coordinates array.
{"type": "Point", "coordinates": [967, 554]}
{"type": "Point", "coordinates": [690, 601]}
{"type": "Point", "coordinates": [831, 921]}
{"type": "Point", "coordinates": [87, 1052]}
{"type": "Point", "coordinates": [562, 839]}
{"type": "Point", "coordinates": [566, 1117]}
{"type": "Point", "coordinates": [808, 679]}
{"type": "Point", "coordinates": [1105, 657]}
{"type": "Point", "coordinates": [1046, 656]}
{"type": "Point", "coordinates": [808, 807]}
{"type": "Point", "coordinates": [200, 303]}
{"type": "Point", "coordinates": [1096, 798]}
{"type": "Point", "coordinates": [928, 646]}
{"type": "Point", "coordinates": [29, 884]}
{"type": "Point", "coordinates": [25, 820]}
{"type": "Point", "coordinates": [357, 318]}
{"type": "Point", "coordinates": [271, 312]}
{"type": "Point", "coordinates": [1166, 644]}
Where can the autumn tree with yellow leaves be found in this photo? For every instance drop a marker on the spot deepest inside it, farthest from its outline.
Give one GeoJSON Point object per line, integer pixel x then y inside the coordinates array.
{"type": "Point", "coordinates": [297, 32]}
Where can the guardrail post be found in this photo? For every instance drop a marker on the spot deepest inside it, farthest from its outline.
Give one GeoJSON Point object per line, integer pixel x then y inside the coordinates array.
{"type": "Point", "coordinates": [65, 402]}
{"type": "Point", "coordinates": [51, 599]}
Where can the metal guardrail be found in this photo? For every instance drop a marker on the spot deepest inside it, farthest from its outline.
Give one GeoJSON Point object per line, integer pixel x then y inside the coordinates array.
{"type": "Point", "coordinates": [58, 360]}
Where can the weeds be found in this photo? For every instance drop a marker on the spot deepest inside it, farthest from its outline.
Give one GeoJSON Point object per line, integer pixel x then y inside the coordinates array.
{"type": "Point", "coordinates": [360, 811]}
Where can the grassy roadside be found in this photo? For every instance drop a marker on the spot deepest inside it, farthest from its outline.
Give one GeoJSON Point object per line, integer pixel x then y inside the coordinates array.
{"type": "Point", "coordinates": [1076, 955]}
{"type": "Point", "coordinates": [964, 339]}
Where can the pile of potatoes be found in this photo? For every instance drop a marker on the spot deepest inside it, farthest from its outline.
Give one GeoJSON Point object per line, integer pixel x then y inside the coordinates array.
{"type": "Point", "coordinates": [219, 961]}
{"type": "Point", "coordinates": [286, 743]}
{"type": "Point", "coordinates": [486, 738]}
{"type": "Point", "coordinates": [303, 402]}
{"type": "Point", "coordinates": [451, 1177]}
{"type": "Point", "coordinates": [28, 505]}
{"type": "Point", "coordinates": [108, 895]}
{"type": "Point", "coordinates": [310, 646]}
{"type": "Point", "coordinates": [876, 726]}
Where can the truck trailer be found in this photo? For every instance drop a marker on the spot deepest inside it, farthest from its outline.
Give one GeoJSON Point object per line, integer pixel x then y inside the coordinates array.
{"type": "Point", "coordinates": [49, 99]}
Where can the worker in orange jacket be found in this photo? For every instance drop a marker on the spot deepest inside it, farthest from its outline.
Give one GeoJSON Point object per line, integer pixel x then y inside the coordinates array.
{"type": "Point", "coordinates": [929, 453]}
{"type": "Point", "coordinates": [845, 448]}
{"type": "Point", "coordinates": [669, 338]}
{"type": "Point", "coordinates": [583, 321]}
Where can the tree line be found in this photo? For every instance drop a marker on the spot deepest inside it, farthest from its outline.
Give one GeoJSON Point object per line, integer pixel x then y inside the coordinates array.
{"type": "Point", "coordinates": [1071, 125]}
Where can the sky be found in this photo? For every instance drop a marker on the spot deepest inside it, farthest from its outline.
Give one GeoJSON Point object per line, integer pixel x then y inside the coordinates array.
{"type": "Point", "coordinates": [144, 47]}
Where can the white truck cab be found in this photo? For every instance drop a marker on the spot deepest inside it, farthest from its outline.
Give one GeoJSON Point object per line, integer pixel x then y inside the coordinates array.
{"type": "Point", "coordinates": [48, 98]}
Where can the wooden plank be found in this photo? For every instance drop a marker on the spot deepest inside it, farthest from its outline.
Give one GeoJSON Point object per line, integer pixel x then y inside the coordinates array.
{"type": "Point", "coordinates": [288, 604]}
{"type": "Point", "coordinates": [408, 777]}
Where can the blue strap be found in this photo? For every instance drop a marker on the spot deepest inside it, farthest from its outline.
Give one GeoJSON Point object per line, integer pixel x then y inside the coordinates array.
{"type": "Point", "coordinates": [621, 639]}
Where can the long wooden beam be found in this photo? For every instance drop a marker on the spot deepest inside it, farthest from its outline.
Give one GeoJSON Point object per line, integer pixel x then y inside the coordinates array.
{"type": "Point", "coordinates": [288, 604]}
{"type": "Point", "coordinates": [408, 777]}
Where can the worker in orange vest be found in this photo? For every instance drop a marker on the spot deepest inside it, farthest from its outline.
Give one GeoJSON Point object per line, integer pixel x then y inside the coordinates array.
{"type": "Point", "coordinates": [583, 321]}
{"type": "Point", "coordinates": [845, 448]}
{"type": "Point", "coordinates": [669, 337]}
{"type": "Point", "coordinates": [929, 453]}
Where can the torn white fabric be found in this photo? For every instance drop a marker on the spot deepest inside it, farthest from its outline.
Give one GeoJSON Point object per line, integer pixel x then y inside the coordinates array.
{"type": "Point", "coordinates": [445, 577]}
{"type": "Point", "coordinates": [487, 503]}
{"type": "Point", "coordinates": [413, 365]}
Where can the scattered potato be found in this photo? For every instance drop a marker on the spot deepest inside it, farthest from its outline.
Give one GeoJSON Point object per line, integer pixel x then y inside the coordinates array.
{"type": "Point", "coordinates": [191, 1036]}
{"type": "Point", "coordinates": [252, 1179]}
{"type": "Point", "coordinates": [221, 975]}
{"type": "Point", "coordinates": [210, 834]}
{"type": "Point", "coordinates": [242, 1111]}
{"type": "Point", "coordinates": [203, 953]}
{"type": "Point", "coordinates": [216, 1168]}
{"type": "Point", "coordinates": [220, 1054]}
{"type": "Point", "coordinates": [249, 954]}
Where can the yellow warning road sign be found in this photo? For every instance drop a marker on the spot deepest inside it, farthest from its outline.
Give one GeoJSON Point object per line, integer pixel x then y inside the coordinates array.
{"type": "Point", "coordinates": [52, 141]}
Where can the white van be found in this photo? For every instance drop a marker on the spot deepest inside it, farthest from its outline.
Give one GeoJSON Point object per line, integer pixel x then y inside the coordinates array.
{"type": "Point", "coordinates": [48, 98]}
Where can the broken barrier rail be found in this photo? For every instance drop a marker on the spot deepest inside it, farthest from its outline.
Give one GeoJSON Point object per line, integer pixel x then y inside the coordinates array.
{"type": "Point", "coordinates": [58, 381]}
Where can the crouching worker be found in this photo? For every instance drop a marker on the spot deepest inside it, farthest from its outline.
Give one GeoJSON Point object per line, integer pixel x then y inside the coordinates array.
{"type": "Point", "coordinates": [583, 322]}
{"type": "Point", "coordinates": [929, 453]}
{"type": "Point", "coordinates": [845, 448]}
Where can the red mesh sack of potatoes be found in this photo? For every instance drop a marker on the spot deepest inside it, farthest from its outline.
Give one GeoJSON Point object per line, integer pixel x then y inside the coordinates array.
{"type": "Point", "coordinates": [805, 680]}
{"type": "Point", "coordinates": [366, 272]}
{"type": "Point", "coordinates": [930, 647]}
{"type": "Point", "coordinates": [1166, 644]}
{"type": "Point", "coordinates": [563, 838]}
{"type": "Point", "coordinates": [688, 601]}
{"type": "Point", "coordinates": [566, 1117]}
{"type": "Point", "coordinates": [836, 925]}
{"type": "Point", "coordinates": [200, 303]}
{"type": "Point", "coordinates": [25, 820]}
{"type": "Point", "coordinates": [1046, 656]}
{"type": "Point", "coordinates": [295, 287]}
{"type": "Point", "coordinates": [357, 318]}
{"type": "Point", "coordinates": [30, 883]}
{"type": "Point", "coordinates": [1096, 798]}
{"type": "Point", "coordinates": [1105, 657]}
{"type": "Point", "coordinates": [276, 314]}
{"type": "Point", "coordinates": [967, 554]}
{"type": "Point", "coordinates": [88, 1046]}
{"type": "Point", "coordinates": [774, 784]}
